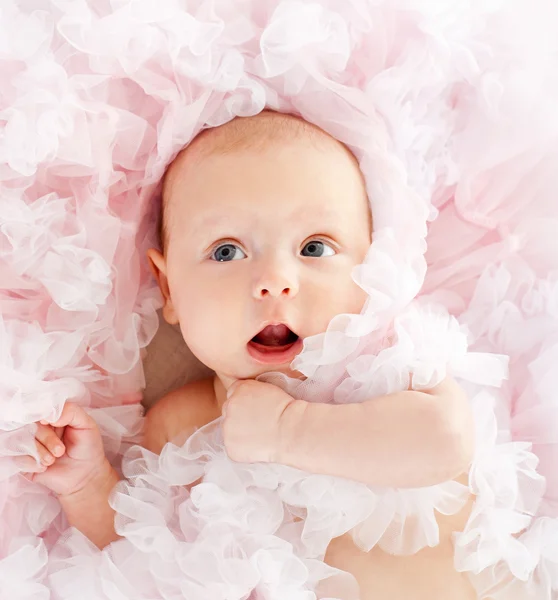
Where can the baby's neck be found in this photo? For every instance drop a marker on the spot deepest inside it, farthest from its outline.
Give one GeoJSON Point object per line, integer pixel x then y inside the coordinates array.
{"type": "Point", "coordinates": [220, 392]}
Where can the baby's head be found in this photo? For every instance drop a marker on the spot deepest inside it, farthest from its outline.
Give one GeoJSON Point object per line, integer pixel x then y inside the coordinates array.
{"type": "Point", "coordinates": [264, 219]}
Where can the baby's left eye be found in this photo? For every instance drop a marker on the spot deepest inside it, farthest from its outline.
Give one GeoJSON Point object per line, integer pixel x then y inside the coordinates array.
{"type": "Point", "coordinates": [317, 249]}
{"type": "Point", "coordinates": [227, 253]}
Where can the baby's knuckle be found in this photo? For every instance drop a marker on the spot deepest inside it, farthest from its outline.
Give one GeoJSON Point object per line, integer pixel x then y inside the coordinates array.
{"type": "Point", "coordinates": [251, 390]}
{"type": "Point", "coordinates": [240, 404]}
{"type": "Point", "coordinates": [240, 390]}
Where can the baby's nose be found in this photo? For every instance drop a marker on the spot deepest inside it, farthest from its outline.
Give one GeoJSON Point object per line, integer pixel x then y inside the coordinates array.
{"type": "Point", "coordinates": [276, 285]}
{"type": "Point", "coordinates": [274, 291]}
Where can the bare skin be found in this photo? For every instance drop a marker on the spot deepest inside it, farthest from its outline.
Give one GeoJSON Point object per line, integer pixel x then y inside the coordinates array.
{"type": "Point", "coordinates": [426, 575]}
{"type": "Point", "coordinates": [260, 236]}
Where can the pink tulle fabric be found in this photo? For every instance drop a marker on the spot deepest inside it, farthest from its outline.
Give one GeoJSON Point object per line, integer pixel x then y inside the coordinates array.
{"type": "Point", "coordinates": [450, 108]}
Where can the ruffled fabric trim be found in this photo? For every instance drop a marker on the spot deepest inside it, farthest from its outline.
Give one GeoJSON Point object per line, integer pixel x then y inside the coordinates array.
{"type": "Point", "coordinates": [452, 117]}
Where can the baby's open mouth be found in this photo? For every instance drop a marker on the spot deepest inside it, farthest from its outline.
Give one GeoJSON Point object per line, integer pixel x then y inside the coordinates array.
{"type": "Point", "coordinates": [275, 336]}
{"type": "Point", "coordinates": [274, 344]}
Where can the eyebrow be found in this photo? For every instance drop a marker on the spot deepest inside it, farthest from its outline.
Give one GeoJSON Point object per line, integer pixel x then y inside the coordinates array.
{"type": "Point", "coordinates": [211, 220]}
{"type": "Point", "coordinates": [325, 215]}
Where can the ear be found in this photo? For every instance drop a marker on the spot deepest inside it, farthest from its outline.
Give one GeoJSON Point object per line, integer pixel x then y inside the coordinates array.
{"type": "Point", "coordinates": [158, 267]}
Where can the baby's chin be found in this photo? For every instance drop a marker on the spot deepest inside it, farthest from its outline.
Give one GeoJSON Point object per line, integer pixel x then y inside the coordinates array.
{"type": "Point", "coordinates": [283, 370]}
{"type": "Point", "coordinates": [263, 372]}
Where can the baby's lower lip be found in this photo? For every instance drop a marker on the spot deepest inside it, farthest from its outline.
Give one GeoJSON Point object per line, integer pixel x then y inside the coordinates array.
{"type": "Point", "coordinates": [274, 355]}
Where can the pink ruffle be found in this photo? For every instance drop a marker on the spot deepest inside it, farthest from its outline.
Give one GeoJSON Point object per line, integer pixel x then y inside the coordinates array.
{"type": "Point", "coordinates": [451, 112]}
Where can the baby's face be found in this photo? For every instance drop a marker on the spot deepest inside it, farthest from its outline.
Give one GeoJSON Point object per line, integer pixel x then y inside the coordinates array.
{"type": "Point", "coordinates": [260, 253]}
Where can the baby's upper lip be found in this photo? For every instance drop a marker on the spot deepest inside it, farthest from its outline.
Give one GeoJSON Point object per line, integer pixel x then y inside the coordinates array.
{"type": "Point", "coordinates": [274, 322]}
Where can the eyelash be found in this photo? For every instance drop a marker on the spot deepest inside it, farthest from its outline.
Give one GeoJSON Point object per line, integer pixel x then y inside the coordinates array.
{"type": "Point", "coordinates": [328, 242]}
{"type": "Point", "coordinates": [216, 246]}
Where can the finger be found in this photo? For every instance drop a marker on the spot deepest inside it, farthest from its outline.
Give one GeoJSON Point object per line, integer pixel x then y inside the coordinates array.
{"type": "Point", "coordinates": [28, 464]}
{"type": "Point", "coordinates": [74, 416]}
{"type": "Point", "coordinates": [46, 435]}
{"type": "Point", "coordinates": [46, 457]}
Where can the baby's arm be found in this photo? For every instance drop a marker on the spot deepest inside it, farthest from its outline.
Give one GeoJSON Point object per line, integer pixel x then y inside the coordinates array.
{"type": "Point", "coordinates": [407, 439]}
{"type": "Point", "coordinates": [88, 508]}
{"type": "Point", "coordinates": [81, 476]}
{"type": "Point", "coordinates": [74, 467]}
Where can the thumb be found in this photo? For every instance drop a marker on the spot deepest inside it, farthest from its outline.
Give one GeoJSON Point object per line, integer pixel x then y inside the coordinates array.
{"type": "Point", "coordinates": [74, 416]}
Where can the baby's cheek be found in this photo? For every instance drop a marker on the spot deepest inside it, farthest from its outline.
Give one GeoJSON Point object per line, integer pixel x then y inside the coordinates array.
{"type": "Point", "coordinates": [358, 299]}
{"type": "Point", "coordinates": [194, 326]}
{"type": "Point", "coordinates": [349, 297]}
{"type": "Point", "coordinates": [199, 339]}
{"type": "Point", "coordinates": [333, 300]}
{"type": "Point", "coordinates": [206, 330]}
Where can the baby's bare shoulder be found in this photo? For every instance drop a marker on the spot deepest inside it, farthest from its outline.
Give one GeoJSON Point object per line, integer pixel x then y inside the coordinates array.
{"type": "Point", "coordinates": [180, 411]}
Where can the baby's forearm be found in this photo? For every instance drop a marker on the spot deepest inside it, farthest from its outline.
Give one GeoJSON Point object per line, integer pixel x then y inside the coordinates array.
{"type": "Point", "coordinates": [404, 440]}
{"type": "Point", "coordinates": [89, 511]}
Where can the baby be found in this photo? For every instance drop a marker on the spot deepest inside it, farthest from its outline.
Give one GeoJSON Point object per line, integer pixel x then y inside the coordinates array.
{"type": "Point", "coordinates": [264, 220]}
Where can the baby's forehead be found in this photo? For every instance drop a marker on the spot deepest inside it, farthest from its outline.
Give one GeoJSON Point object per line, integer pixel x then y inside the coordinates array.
{"type": "Point", "coordinates": [266, 130]}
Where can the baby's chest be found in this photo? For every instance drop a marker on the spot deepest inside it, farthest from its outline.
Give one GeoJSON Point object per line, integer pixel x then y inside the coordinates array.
{"type": "Point", "coordinates": [426, 575]}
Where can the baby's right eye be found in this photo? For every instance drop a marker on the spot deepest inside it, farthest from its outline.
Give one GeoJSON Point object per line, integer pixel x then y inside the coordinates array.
{"type": "Point", "coordinates": [227, 252]}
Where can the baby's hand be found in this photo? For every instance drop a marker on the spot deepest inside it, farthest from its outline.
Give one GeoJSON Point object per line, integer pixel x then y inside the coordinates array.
{"type": "Point", "coordinates": [71, 452]}
{"type": "Point", "coordinates": [251, 421]}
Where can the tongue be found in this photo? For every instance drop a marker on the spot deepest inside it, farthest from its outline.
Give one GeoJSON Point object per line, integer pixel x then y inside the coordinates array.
{"type": "Point", "coordinates": [274, 335]}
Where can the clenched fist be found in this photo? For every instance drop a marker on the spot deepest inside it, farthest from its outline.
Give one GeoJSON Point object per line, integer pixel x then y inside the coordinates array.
{"type": "Point", "coordinates": [70, 450]}
{"type": "Point", "coordinates": [253, 418]}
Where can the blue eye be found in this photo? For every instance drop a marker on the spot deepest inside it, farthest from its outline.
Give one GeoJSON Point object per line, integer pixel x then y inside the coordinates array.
{"type": "Point", "coordinates": [317, 249]}
{"type": "Point", "coordinates": [227, 252]}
